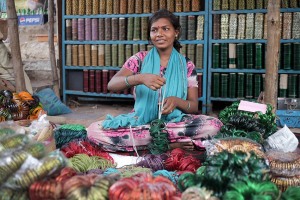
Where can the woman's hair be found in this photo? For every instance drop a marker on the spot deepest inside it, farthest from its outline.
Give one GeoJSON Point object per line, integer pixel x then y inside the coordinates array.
{"type": "Point", "coordinates": [163, 13]}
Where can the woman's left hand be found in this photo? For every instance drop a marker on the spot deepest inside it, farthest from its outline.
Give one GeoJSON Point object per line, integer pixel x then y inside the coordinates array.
{"type": "Point", "coordinates": [170, 103]}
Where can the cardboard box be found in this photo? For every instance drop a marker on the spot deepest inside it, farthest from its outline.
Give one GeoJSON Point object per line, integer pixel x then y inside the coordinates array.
{"type": "Point", "coordinates": [32, 20]}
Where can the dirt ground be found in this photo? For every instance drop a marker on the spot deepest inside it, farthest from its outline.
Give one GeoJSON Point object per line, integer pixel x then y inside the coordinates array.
{"type": "Point", "coordinates": [87, 113]}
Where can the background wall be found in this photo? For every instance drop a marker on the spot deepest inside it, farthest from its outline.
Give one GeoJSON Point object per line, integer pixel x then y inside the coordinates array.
{"type": "Point", "coordinates": [35, 54]}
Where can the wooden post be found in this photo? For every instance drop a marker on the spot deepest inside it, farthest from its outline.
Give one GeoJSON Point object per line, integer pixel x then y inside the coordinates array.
{"type": "Point", "coordinates": [52, 48]}
{"type": "Point", "coordinates": [59, 39]}
{"type": "Point", "coordinates": [272, 55]}
{"type": "Point", "coordinates": [13, 34]}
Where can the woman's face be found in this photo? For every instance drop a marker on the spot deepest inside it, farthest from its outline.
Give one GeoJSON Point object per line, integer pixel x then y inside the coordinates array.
{"type": "Point", "coordinates": [163, 34]}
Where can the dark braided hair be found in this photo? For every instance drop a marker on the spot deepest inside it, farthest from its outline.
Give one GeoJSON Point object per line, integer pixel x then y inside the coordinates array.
{"type": "Point", "coordinates": [163, 13]}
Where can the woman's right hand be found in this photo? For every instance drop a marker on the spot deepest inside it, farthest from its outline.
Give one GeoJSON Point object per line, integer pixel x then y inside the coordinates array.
{"type": "Point", "coordinates": [153, 81]}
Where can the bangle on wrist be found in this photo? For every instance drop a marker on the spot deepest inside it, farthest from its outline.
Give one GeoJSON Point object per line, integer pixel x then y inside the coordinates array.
{"type": "Point", "coordinates": [188, 106]}
{"type": "Point", "coordinates": [126, 82]}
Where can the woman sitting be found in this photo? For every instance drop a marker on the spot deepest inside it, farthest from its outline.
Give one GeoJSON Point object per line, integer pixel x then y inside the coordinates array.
{"type": "Point", "coordinates": [166, 88]}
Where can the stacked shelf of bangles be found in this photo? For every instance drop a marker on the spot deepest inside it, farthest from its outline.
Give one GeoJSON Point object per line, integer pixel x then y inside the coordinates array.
{"type": "Point", "coordinates": [249, 158]}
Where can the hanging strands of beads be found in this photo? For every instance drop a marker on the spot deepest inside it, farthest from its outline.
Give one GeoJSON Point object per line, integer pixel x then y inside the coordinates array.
{"type": "Point", "coordinates": [25, 96]}
{"type": "Point", "coordinates": [5, 96]}
{"type": "Point", "coordinates": [37, 149]}
{"type": "Point", "coordinates": [5, 131]}
{"type": "Point", "coordinates": [5, 114]}
{"type": "Point", "coordinates": [84, 147]}
{"type": "Point", "coordinates": [110, 171]}
{"type": "Point", "coordinates": [65, 174]}
{"type": "Point", "coordinates": [11, 194]}
{"type": "Point", "coordinates": [68, 132]}
{"type": "Point", "coordinates": [172, 176]}
{"type": "Point", "coordinates": [266, 121]}
{"type": "Point", "coordinates": [222, 169]}
{"type": "Point", "coordinates": [14, 141]}
{"type": "Point", "coordinates": [49, 165]}
{"type": "Point", "coordinates": [159, 134]}
{"type": "Point", "coordinates": [243, 126]}
{"type": "Point", "coordinates": [233, 144]}
{"type": "Point", "coordinates": [284, 168]}
{"type": "Point", "coordinates": [69, 185]}
{"type": "Point", "coordinates": [141, 187]}
{"type": "Point", "coordinates": [291, 193]}
{"type": "Point", "coordinates": [84, 163]}
{"type": "Point", "coordinates": [12, 159]}
{"type": "Point", "coordinates": [46, 189]}
{"type": "Point", "coordinates": [89, 186]}
{"type": "Point", "coordinates": [51, 188]}
{"type": "Point", "coordinates": [34, 103]}
{"type": "Point", "coordinates": [131, 170]}
{"type": "Point", "coordinates": [179, 161]}
{"type": "Point", "coordinates": [154, 162]}
{"type": "Point", "coordinates": [11, 162]}
{"type": "Point", "coordinates": [17, 106]}
{"type": "Point", "coordinates": [252, 190]}
{"type": "Point", "coordinates": [158, 131]}
{"type": "Point", "coordinates": [286, 183]}
{"type": "Point", "coordinates": [5, 100]}
{"type": "Point", "coordinates": [197, 193]}
{"type": "Point", "coordinates": [95, 171]}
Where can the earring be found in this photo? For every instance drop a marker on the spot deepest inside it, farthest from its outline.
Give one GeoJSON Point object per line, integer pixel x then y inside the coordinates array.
{"type": "Point", "coordinates": [175, 36]}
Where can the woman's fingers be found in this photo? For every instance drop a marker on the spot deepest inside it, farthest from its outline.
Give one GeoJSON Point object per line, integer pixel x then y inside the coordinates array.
{"type": "Point", "coordinates": [153, 88]}
{"type": "Point", "coordinates": [167, 111]}
{"type": "Point", "coordinates": [161, 81]}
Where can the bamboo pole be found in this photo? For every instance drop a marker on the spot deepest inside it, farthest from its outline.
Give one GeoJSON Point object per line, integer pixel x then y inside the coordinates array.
{"type": "Point", "coordinates": [272, 54]}
{"type": "Point", "coordinates": [52, 48]}
{"type": "Point", "coordinates": [13, 32]}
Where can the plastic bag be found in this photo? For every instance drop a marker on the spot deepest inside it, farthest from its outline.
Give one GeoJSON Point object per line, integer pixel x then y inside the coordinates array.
{"type": "Point", "coordinates": [42, 131]}
{"type": "Point", "coordinates": [38, 125]}
{"type": "Point", "coordinates": [11, 160]}
{"type": "Point", "coordinates": [33, 170]}
{"type": "Point", "coordinates": [283, 140]}
{"type": "Point", "coordinates": [9, 128]}
{"type": "Point", "coordinates": [14, 141]}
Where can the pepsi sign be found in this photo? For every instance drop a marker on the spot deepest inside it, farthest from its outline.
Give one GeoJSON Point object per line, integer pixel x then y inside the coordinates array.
{"type": "Point", "coordinates": [29, 20]}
